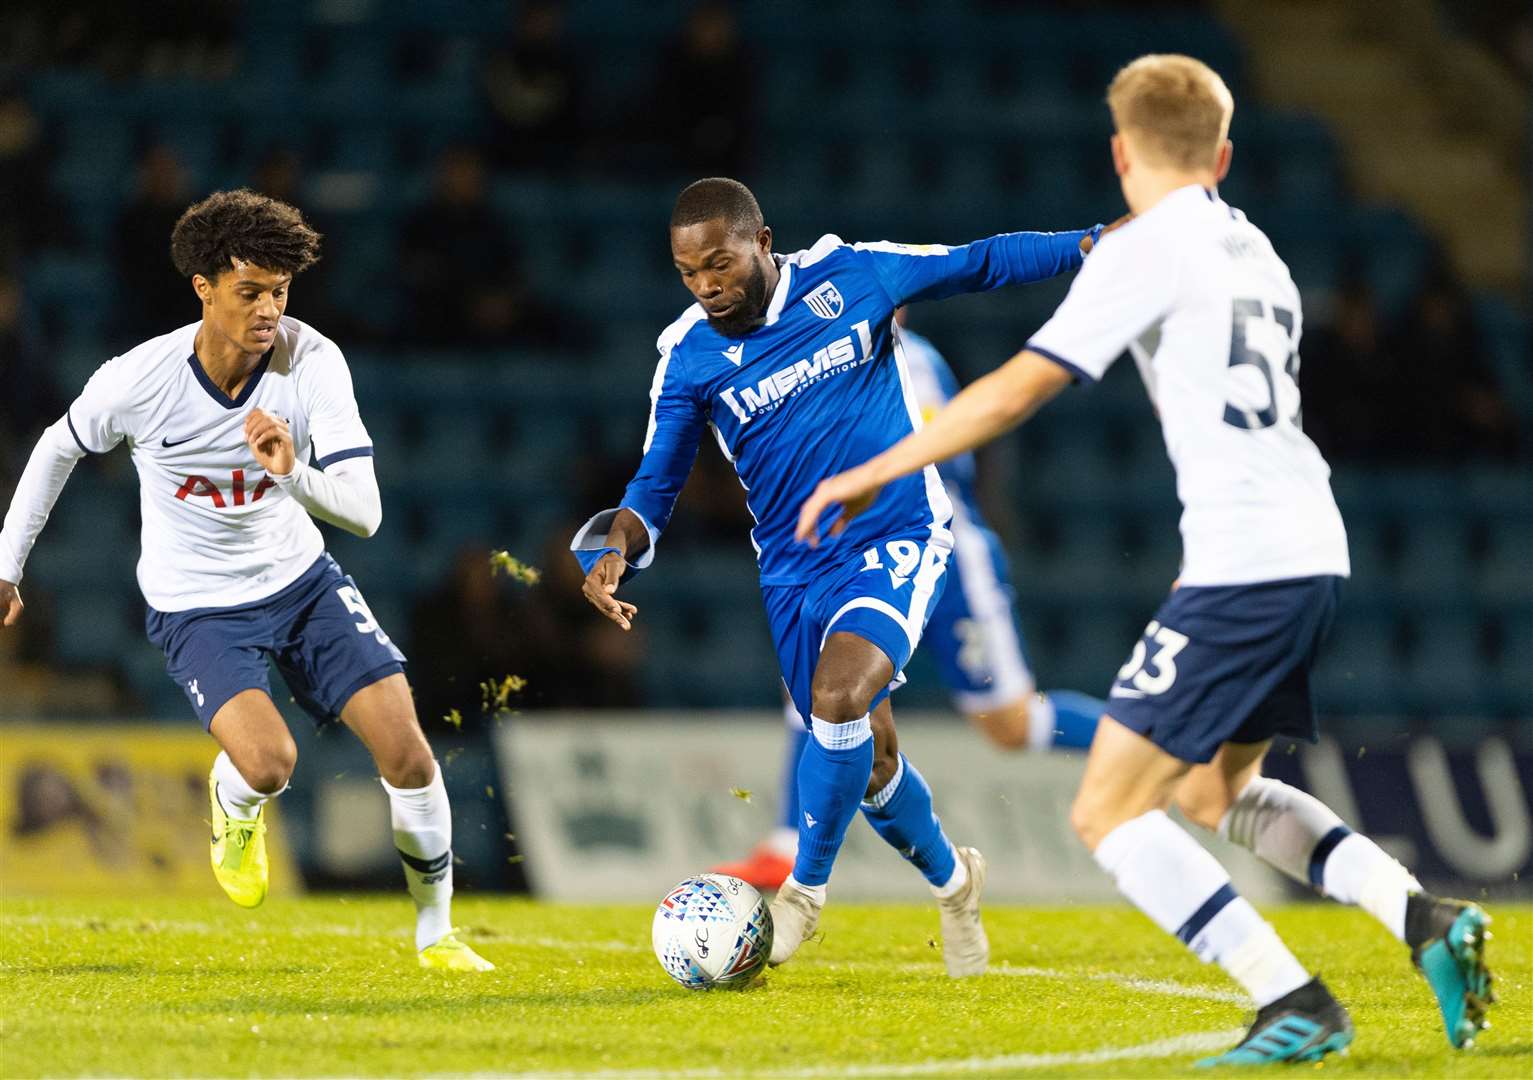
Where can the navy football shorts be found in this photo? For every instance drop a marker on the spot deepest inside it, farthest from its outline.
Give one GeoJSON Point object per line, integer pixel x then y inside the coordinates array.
{"type": "Point", "coordinates": [883, 595]}
{"type": "Point", "coordinates": [1226, 663]}
{"type": "Point", "coordinates": [318, 631]}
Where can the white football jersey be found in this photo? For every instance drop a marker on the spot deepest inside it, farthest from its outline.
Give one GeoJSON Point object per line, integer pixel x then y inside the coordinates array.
{"type": "Point", "coordinates": [216, 530]}
{"type": "Point", "coordinates": [1212, 317]}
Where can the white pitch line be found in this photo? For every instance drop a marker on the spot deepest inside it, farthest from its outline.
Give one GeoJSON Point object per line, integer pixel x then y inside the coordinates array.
{"type": "Point", "coordinates": [1164, 987]}
{"type": "Point", "coordinates": [1196, 1042]}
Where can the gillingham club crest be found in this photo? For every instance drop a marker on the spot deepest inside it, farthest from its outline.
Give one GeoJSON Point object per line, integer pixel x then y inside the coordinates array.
{"type": "Point", "coordinates": [825, 301]}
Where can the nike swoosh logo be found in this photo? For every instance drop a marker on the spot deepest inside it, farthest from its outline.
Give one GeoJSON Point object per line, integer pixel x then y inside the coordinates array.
{"type": "Point", "coordinates": [168, 444]}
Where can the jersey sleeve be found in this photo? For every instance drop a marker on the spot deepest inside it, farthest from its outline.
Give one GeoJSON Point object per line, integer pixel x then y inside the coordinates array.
{"type": "Point", "coordinates": [336, 432]}
{"type": "Point", "coordinates": [98, 418]}
{"type": "Point", "coordinates": [1125, 287]}
{"type": "Point", "coordinates": [676, 422]}
{"type": "Point", "coordinates": [910, 272]}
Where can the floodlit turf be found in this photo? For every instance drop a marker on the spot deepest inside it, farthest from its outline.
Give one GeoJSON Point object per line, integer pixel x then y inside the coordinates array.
{"type": "Point", "coordinates": [328, 986]}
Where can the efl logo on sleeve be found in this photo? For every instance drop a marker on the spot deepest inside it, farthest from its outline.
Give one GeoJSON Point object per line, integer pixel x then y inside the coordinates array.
{"type": "Point", "coordinates": [825, 301]}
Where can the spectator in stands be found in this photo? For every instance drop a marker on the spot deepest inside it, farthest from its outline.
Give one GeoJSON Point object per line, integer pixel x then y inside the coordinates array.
{"type": "Point", "coordinates": [477, 626]}
{"type": "Point", "coordinates": [29, 396]}
{"type": "Point", "coordinates": [1442, 352]}
{"type": "Point", "coordinates": [533, 89]}
{"type": "Point", "coordinates": [1419, 392]}
{"type": "Point", "coordinates": [462, 634]}
{"type": "Point", "coordinates": [149, 291]}
{"type": "Point", "coordinates": [702, 106]}
{"type": "Point", "coordinates": [168, 38]}
{"type": "Point", "coordinates": [24, 163]}
{"type": "Point", "coordinates": [280, 174]}
{"type": "Point", "coordinates": [1347, 378]}
{"type": "Point", "coordinates": [462, 274]}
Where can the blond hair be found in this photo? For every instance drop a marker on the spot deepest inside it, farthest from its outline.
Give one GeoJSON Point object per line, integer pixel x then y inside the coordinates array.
{"type": "Point", "coordinates": [1176, 109]}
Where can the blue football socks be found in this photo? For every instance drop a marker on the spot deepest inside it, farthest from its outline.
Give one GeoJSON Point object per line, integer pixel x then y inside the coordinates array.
{"type": "Point", "coordinates": [902, 814]}
{"type": "Point", "coordinates": [832, 777]}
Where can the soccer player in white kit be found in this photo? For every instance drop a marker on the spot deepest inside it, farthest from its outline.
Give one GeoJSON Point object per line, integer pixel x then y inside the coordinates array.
{"type": "Point", "coordinates": [221, 417]}
{"type": "Point", "coordinates": [1212, 318]}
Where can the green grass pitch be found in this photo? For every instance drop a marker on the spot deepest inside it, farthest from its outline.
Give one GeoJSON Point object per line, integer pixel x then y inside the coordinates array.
{"type": "Point", "coordinates": [327, 986]}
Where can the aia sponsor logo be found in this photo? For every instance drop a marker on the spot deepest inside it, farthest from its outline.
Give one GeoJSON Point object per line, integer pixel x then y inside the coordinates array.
{"type": "Point", "coordinates": [201, 486]}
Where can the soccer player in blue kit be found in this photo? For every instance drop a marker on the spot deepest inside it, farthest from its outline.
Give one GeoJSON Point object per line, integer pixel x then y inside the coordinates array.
{"type": "Point", "coordinates": [1198, 295]}
{"type": "Point", "coordinates": [790, 360]}
{"type": "Point", "coordinates": [973, 635]}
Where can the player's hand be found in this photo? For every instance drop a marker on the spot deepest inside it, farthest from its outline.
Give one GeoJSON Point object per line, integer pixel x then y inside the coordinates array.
{"type": "Point", "coordinates": [852, 489]}
{"type": "Point", "coordinates": [10, 603]}
{"type": "Point", "coordinates": [1087, 243]}
{"type": "Point", "coordinates": [270, 441]}
{"type": "Point", "coordinates": [601, 583]}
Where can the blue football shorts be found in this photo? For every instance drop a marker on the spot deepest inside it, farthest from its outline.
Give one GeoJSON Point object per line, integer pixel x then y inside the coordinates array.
{"type": "Point", "coordinates": [318, 631]}
{"type": "Point", "coordinates": [1226, 663]}
{"type": "Point", "coordinates": [884, 595]}
{"type": "Point", "coordinates": [973, 633]}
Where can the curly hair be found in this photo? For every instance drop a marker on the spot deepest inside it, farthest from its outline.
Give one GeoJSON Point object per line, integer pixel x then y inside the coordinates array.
{"type": "Point", "coordinates": [245, 225]}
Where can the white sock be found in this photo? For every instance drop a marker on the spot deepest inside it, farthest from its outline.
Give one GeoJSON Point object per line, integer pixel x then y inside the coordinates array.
{"type": "Point", "coordinates": [1040, 722]}
{"type": "Point", "coordinates": [1179, 885]}
{"type": "Point", "coordinates": [235, 795]}
{"type": "Point", "coordinates": [1301, 836]}
{"type": "Point", "coordinates": [816, 891]}
{"type": "Point", "coordinates": [959, 879]}
{"type": "Point", "coordinates": [422, 823]}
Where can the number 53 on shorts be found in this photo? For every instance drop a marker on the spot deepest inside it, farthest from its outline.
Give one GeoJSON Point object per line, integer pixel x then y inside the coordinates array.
{"type": "Point", "coordinates": [1151, 669]}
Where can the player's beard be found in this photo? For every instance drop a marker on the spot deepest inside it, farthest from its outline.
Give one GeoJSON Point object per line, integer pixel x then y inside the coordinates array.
{"type": "Point", "coordinates": [751, 308]}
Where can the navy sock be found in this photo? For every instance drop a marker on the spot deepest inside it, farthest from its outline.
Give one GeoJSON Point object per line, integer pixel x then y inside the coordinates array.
{"type": "Point", "coordinates": [832, 777]}
{"type": "Point", "coordinates": [1075, 717]}
{"type": "Point", "coordinates": [798, 738]}
{"type": "Point", "coordinates": [902, 814]}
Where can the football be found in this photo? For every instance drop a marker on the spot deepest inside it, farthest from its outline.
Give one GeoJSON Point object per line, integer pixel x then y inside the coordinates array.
{"type": "Point", "coordinates": [712, 931]}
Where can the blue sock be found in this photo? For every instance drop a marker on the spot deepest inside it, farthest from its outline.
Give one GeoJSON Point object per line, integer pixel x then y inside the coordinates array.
{"type": "Point", "coordinates": [1075, 717]}
{"type": "Point", "coordinates": [902, 814]}
{"type": "Point", "coordinates": [832, 777]}
{"type": "Point", "coordinates": [798, 737]}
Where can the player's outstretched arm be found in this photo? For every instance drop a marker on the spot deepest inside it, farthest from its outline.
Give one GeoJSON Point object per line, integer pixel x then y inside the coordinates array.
{"type": "Point", "coordinates": [627, 538]}
{"type": "Point", "coordinates": [52, 460]}
{"type": "Point", "coordinates": [987, 408]}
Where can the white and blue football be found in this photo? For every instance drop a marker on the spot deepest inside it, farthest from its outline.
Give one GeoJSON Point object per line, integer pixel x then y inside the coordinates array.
{"type": "Point", "coordinates": [712, 931]}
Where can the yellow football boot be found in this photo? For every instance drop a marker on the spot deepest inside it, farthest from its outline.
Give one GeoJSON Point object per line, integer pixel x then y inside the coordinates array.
{"type": "Point", "coordinates": [239, 853]}
{"type": "Point", "coordinates": [450, 954]}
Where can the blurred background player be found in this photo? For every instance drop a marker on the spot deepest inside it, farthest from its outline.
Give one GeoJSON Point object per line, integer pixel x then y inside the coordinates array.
{"type": "Point", "coordinates": [791, 361]}
{"type": "Point", "coordinates": [222, 416]}
{"type": "Point", "coordinates": [1213, 320]}
{"type": "Point", "coordinates": [973, 633]}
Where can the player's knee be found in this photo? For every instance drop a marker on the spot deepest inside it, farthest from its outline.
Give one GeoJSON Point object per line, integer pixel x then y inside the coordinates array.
{"type": "Point", "coordinates": [269, 767]}
{"type": "Point", "coordinates": [1204, 803]}
{"type": "Point", "coordinates": [409, 765]}
{"type": "Point", "coordinates": [1091, 818]}
{"type": "Point", "coordinates": [838, 704]}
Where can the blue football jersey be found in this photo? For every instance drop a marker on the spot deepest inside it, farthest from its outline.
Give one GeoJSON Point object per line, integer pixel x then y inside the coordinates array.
{"type": "Point", "coordinates": [816, 389]}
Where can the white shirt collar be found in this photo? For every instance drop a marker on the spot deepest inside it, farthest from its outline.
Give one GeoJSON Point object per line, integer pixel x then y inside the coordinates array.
{"type": "Point", "coordinates": [780, 294]}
